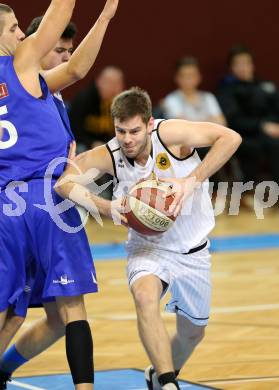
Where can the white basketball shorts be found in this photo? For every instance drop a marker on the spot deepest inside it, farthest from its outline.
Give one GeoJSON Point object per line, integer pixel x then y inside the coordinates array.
{"type": "Point", "coordinates": [188, 278]}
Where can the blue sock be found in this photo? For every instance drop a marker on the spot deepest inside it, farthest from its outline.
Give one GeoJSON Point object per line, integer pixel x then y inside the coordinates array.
{"type": "Point", "coordinates": [11, 360]}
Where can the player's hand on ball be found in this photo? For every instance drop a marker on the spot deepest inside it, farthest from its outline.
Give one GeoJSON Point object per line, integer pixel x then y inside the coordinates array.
{"type": "Point", "coordinates": [181, 189]}
{"type": "Point", "coordinates": [110, 9]}
{"type": "Point", "coordinates": [117, 212]}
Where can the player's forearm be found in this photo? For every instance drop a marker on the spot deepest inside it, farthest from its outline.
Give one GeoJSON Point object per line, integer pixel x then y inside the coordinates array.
{"type": "Point", "coordinates": [220, 152]}
{"type": "Point", "coordinates": [85, 55]}
{"type": "Point", "coordinates": [81, 196]}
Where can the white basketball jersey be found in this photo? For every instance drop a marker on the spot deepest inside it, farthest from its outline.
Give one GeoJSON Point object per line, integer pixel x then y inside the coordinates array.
{"type": "Point", "coordinates": [197, 217]}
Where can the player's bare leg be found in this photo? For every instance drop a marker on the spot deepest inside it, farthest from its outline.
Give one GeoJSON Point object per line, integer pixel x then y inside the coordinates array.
{"type": "Point", "coordinates": [146, 293]}
{"type": "Point", "coordinates": [3, 315]}
{"type": "Point", "coordinates": [42, 334]}
{"type": "Point", "coordinates": [11, 325]}
{"type": "Point", "coordinates": [188, 336]}
{"type": "Point", "coordinates": [79, 345]}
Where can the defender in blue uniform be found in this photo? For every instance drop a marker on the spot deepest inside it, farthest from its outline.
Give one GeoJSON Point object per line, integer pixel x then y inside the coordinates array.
{"type": "Point", "coordinates": [34, 135]}
{"type": "Point", "coordinates": [63, 75]}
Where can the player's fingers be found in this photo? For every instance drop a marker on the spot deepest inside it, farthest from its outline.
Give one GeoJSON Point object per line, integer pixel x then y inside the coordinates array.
{"type": "Point", "coordinates": [71, 154]}
{"type": "Point", "coordinates": [73, 149]}
{"type": "Point", "coordinates": [124, 220]}
{"type": "Point", "coordinates": [175, 202]}
{"type": "Point", "coordinates": [177, 209]}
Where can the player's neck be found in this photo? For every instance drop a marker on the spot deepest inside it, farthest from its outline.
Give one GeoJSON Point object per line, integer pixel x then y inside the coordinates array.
{"type": "Point", "coordinates": [142, 158]}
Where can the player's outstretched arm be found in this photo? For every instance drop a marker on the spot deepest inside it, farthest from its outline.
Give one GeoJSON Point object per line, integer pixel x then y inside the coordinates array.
{"type": "Point", "coordinates": [85, 55]}
{"type": "Point", "coordinates": [36, 46]}
{"type": "Point", "coordinates": [85, 169]}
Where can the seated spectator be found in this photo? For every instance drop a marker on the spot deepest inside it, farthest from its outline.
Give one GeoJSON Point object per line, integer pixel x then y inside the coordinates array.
{"type": "Point", "coordinates": [90, 110]}
{"type": "Point", "coordinates": [188, 102]}
{"type": "Point", "coordinates": [251, 107]}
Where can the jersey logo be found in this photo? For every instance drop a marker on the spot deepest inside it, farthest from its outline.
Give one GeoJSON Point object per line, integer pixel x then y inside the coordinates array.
{"type": "Point", "coordinates": [162, 161]}
{"type": "Point", "coordinates": [3, 91]}
{"type": "Point", "coordinates": [121, 164]}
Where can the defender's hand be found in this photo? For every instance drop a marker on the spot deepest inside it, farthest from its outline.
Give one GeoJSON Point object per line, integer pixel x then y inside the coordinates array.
{"type": "Point", "coordinates": [110, 9]}
{"type": "Point", "coordinates": [72, 151]}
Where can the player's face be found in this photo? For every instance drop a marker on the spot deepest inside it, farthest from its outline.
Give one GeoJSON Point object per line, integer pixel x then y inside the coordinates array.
{"type": "Point", "coordinates": [61, 53]}
{"type": "Point", "coordinates": [188, 78]}
{"type": "Point", "coordinates": [243, 67]}
{"type": "Point", "coordinates": [133, 135]}
{"type": "Point", "coordinates": [11, 35]}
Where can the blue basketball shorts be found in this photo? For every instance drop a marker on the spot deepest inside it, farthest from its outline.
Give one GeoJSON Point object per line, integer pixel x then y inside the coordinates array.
{"type": "Point", "coordinates": [42, 258]}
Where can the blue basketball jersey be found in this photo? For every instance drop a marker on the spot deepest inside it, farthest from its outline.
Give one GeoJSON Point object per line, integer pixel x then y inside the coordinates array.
{"type": "Point", "coordinates": [58, 100]}
{"type": "Point", "coordinates": [33, 131]}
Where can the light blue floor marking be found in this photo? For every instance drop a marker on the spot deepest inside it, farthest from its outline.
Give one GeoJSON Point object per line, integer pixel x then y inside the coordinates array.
{"type": "Point", "coordinates": [218, 244]}
{"type": "Point", "coordinates": [247, 242]}
{"type": "Point", "coordinates": [128, 379]}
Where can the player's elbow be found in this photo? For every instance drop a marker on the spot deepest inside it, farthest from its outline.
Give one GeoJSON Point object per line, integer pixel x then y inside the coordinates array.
{"type": "Point", "coordinates": [76, 72]}
{"type": "Point", "coordinates": [236, 139]}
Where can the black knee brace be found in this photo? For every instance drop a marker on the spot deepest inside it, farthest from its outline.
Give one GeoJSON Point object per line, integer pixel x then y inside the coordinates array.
{"type": "Point", "coordinates": [79, 350]}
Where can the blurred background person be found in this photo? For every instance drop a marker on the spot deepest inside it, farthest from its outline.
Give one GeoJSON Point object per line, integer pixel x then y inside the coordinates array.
{"type": "Point", "coordinates": [90, 115]}
{"type": "Point", "coordinates": [90, 110]}
{"type": "Point", "coordinates": [251, 107]}
{"type": "Point", "coordinates": [188, 102]}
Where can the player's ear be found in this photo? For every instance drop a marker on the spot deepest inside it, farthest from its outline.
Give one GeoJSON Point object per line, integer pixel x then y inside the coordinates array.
{"type": "Point", "coordinates": [150, 125]}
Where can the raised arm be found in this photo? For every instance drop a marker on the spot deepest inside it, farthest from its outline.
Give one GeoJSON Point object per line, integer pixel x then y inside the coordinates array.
{"type": "Point", "coordinates": [36, 46]}
{"type": "Point", "coordinates": [85, 55]}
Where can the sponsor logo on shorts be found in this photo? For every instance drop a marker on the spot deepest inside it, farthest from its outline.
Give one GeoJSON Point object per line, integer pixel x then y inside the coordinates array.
{"type": "Point", "coordinates": [136, 272]}
{"type": "Point", "coordinates": [63, 280]}
{"type": "Point", "coordinates": [27, 289]}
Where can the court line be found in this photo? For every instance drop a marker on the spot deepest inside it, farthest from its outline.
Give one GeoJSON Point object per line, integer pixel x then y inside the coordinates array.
{"type": "Point", "coordinates": [215, 310]}
{"type": "Point", "coordinates": [131, 316]}
{"type": "Point", "coordinates": [241, 309]}
{"type": "Point", "coordinates": [181, 386]}
{"type": "Point", "coordinates": [26, 386]}
{"type": "Point", "coordinates": [244, 380]}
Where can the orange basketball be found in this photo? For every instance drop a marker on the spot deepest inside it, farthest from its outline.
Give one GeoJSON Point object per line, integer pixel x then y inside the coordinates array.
{"type": "Point", "coordinates": [146, 210]}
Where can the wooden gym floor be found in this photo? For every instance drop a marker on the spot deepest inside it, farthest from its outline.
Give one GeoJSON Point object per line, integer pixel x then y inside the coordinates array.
{"type": "Point", "coordinates": [241, 347]}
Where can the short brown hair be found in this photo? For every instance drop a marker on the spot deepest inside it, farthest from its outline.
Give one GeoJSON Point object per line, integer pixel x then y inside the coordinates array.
{"type": "Point", "coordinates": [4, 9]}
{"type": "Point", "coordinates": [69, 32]}
{"type": "Point", "coordinates": [186, 61]}
{"type": "Point", "coordinates": [239, 50]}
{"type": "Point", "coordinates": [128, 104]}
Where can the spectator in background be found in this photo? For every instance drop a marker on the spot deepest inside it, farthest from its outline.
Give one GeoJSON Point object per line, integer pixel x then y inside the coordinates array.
{"type": "Point", "coordinates": [90, 110]}
{"type": "Point", "coordinates": [251, 107]}
{"type": "Point", "coordinates": [188, 102]}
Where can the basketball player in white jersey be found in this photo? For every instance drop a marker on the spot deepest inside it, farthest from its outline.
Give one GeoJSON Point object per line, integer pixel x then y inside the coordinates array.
{"type": "Point", "coordinates": [179, 258]}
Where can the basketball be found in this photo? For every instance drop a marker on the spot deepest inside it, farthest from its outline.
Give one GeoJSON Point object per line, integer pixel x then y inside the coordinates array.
{"type": "Point", "coordinates": [146, 210]}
